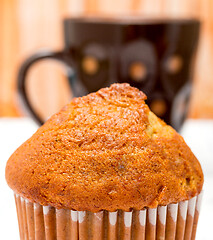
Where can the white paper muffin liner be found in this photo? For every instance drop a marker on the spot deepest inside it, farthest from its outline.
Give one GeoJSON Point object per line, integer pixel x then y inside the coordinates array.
{"type": "Point", "coordinates": [174, 221]}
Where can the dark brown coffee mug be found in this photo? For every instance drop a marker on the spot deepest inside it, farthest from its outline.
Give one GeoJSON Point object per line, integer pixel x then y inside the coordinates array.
{"type": "Point", "coordinates": [154, 55]}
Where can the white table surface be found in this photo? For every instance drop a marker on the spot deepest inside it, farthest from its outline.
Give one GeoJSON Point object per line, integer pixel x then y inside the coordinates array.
{"type": "Point", "coordinates": [198, 134]}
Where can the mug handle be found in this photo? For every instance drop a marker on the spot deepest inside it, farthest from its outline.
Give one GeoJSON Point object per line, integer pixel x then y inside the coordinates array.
{"type": "Point", "coordinates": [23, 71]}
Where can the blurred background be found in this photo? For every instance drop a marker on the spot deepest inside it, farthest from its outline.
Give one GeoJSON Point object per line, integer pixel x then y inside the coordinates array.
{"type": "Point", "coordinates": [27, 26]}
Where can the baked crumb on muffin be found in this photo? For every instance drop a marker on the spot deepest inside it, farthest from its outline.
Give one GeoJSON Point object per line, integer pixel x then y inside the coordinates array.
{"type": "Point", "coordinates": [105, 151]}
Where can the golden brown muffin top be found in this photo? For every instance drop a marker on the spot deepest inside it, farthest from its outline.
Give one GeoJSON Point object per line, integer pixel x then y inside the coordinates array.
{"type": "Point", "coordinates": [106, 150]}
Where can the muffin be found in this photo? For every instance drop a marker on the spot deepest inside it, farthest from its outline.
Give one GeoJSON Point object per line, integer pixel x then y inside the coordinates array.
{"type": "Point", "coordinates": [105, 167]}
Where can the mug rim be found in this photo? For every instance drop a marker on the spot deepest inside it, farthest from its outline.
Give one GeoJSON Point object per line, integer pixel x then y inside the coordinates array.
{"type": "Point", "coordinates": [130, 20]}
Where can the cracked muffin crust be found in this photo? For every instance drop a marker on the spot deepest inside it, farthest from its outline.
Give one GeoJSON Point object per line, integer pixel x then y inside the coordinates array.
{"type": "Point", "coordinates": [105, 151]}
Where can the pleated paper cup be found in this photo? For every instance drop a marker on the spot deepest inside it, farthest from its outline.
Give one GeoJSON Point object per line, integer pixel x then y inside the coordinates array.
{"type": "Point", "coordinates": [174, 221]}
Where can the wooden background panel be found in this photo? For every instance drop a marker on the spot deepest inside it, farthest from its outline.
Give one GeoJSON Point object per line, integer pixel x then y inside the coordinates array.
{"type": "Point", "coordinates": [202, 96]}
{"type": "Point", "coordinates": [27, 26]}
{"type": "Point", "coordinates": [40, 27]}
{"type": "Point", "coordinates": [8, 56]}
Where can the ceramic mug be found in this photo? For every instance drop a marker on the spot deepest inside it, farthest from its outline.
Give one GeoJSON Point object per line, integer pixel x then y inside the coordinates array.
{"type": "Point", "coordinates": [154, 55]}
